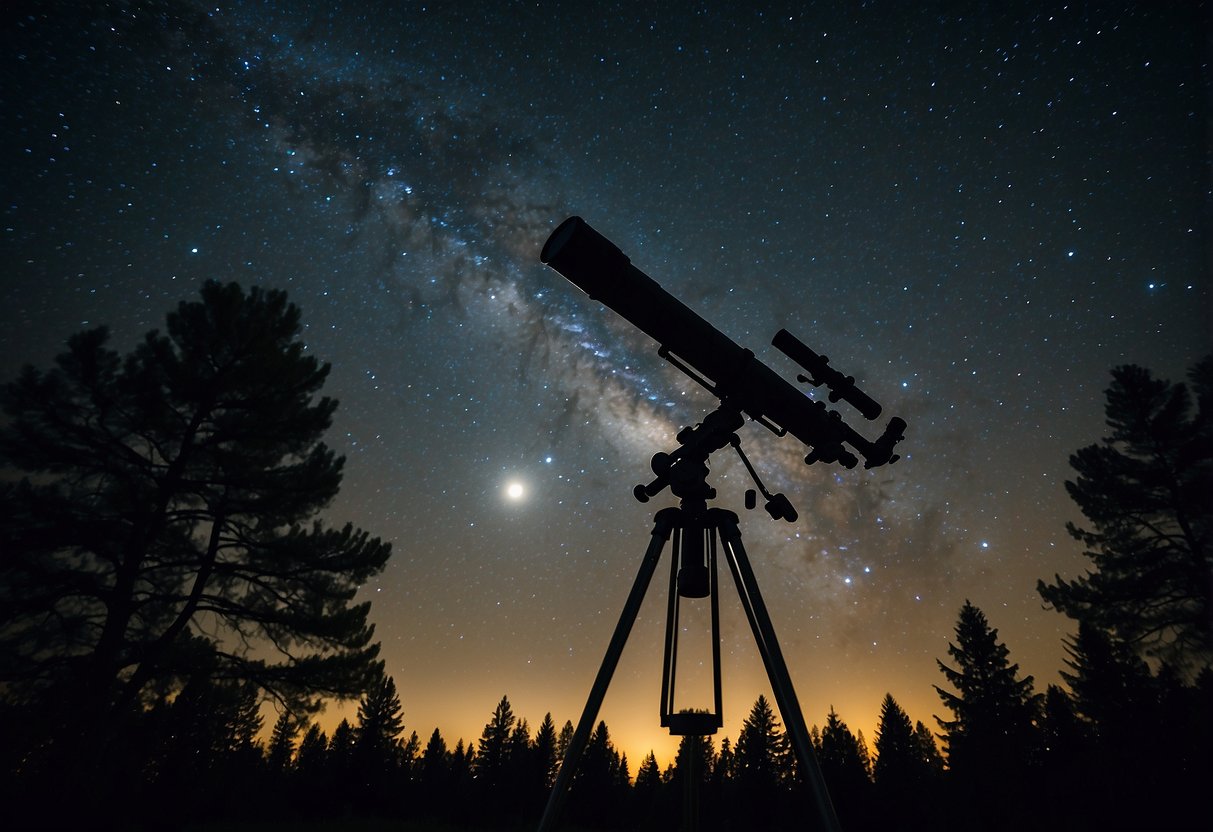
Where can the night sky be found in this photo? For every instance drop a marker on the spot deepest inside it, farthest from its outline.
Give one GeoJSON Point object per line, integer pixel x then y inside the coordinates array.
{"type": "Point", "coordinates": [977, 212]}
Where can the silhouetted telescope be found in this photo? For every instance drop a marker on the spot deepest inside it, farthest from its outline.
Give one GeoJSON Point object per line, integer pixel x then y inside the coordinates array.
{"type": "Point", "coordinates": [731, 373]}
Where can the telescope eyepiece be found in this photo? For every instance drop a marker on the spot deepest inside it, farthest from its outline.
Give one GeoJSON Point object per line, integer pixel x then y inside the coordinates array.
{"type": "Point", "coordinates": [882, 448]}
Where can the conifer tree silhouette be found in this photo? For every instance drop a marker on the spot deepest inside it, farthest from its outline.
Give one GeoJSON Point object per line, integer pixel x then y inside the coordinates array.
{"type": "Point", "coordinates": [378, 752]}
{"type": "Point", "coordinates": [162, 505]}
{"type": "Point", "coordinates": [845, 771]}
{"type": "Point", "coordinates": [991, 740]}
{"type": "Point", "coordinates": [281, 752]}
{"type": "Point", "coordinates": [904, 776]}
{"type": "Point", "coordinates": [1145, 493]}
{"type": "Point", "coordinates": [493, 758]}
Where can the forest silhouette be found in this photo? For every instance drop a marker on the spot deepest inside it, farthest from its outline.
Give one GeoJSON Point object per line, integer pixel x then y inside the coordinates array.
{"type": "Point", "coordinates": [162, 509]}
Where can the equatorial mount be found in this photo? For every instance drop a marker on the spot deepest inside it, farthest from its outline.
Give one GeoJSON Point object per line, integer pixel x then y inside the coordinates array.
{"type": "Point", "coordinates": [685, 470]}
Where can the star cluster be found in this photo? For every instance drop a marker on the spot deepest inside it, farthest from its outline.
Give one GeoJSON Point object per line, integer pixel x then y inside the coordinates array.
{"type": "Point", "coordinates": [976, 213]}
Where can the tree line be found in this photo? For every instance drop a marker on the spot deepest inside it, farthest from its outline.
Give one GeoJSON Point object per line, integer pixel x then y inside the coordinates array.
{"type": "Point", "coordinates": [1119, 746]}
{"type": "Point", "coordinates": [165, 570]}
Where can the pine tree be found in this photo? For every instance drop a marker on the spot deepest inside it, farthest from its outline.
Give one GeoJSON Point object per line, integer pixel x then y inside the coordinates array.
{"type": "Point", "coordinates": [312, 781]}
{"type": "Point", "coordinates": [545, 752]}
{"type": "Point", "coordinates": [435, 759]}
{"type": "Point", "coordinates": [538, 768]}
{"type": "Point", "coordinates": [648, 776]}
{"type": "Point", "coordinates": [463, 764]}
{"type": "Point", "coordinates": [904, 775]}
{"type": "Point", "coordinates": [596, 795]}
{"type": "Point", "coordinates": [697, 753]}
{"type": "Point", "coordinates": [1145, 492]}
{"type": "Point", "coordinates": [521, 787]}
{"type": "Point", "coordinates": [725, 770]}
{"type": "Point", "coordinates": [380, 723]}
{"type": "Point", "coordinates": [310, 760]}
{"type": "Point", "coordinates": [994, 709]}
{"type": "Point", "coordinates": [1067, 768]}
{"type": "Point", "coordinates": [518, 749]}
{"type": "Point", "coordinates": [897, 760]}
{"type": "Point", "coordinates": [563, 739]}
{"type": "Point", "coordinates": [929, 751]}
{"type": "Point", "coordinates": [282, 743]}
{"type": "Point", "coordinates": [410, 761]}
{"type": "Point", "coordinates": [158, 504]}
{"type": "Point", "coordinates": [692, 776]}
{"type": "Point", "coordinates": [865, 755]}
{"type": "Point", "coordinates": [761, 757]}
{"type": "Point", "coordinates": [341, 757]}
{"type": "Point", "coordinates": [209, 744]}
{"type": "Point", "coordinates": [623, 773]}
{"type": "Point", "coordinates": [1111, 685]}
{"type": "Point", "coordinates": [1063, 734]}
{"type": "Point", "coordinates": [410, 752]}
{"type": "Point", "coordinates": [216, 718]}
{"type": "Point", "coordinates": [844, 771]}
{"type": "Point", "coordinates": [434, 776]}
{"type": "Point", "coordinates": [647, 800]}
{"type": "Point", "coordinates": [1116, 700]}
{"type": "Point", "coordinates": [493, 758]}
{"type": "Point", "coordinates": [991, 740]}
{"type": "Point", "coordinates": [648, 781]}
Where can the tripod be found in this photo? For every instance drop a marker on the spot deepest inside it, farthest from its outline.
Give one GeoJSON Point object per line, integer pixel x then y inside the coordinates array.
{"type": "Point", "coordinates": [694, 524]}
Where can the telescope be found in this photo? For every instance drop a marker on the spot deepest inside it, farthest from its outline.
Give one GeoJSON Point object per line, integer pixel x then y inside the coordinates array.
{"type": "Point", "coordinates": [745, 387]}
{"type": "Point", "coordinates": [731, 373]}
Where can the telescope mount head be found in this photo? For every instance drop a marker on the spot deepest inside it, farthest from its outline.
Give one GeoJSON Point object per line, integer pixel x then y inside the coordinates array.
{"type": "Point", "coordinates": [685, 470]}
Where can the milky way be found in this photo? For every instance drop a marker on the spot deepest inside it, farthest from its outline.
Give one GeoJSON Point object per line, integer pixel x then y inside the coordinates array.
{"type": "Point", "coordinates": [977, 216]}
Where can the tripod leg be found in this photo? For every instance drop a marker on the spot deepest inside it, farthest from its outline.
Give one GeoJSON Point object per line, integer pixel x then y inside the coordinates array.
{"type": "Point", "coordinates": [777, 669]}
{"type": "Point", "coordinates": [663, 524]}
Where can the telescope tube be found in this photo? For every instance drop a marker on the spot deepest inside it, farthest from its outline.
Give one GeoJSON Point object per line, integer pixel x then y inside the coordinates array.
{"type": "Point", "coordinates": [597, 266]}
